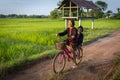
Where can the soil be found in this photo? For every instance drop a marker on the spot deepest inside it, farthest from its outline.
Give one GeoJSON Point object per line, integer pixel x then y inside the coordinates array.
{"type": "Point", "coordinates": [97, 63]}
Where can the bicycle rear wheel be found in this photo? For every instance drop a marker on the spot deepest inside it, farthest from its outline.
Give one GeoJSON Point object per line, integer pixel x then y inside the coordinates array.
{"type": "Point", "coordinates": [59, 62]}
{"type": "Point", "coordinates": [79, 56]}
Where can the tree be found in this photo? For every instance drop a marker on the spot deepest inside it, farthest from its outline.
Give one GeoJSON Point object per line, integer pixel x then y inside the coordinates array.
{"type": "Point", "coordinates": [12, 15]}
{"type": "Point", "coordinates": [55, 14]}
{"type": "Point", "coordinates": [118, 9]}
{"type": "Point", "coordinates": [96, 13]}
{"type": "Point", "coordinates": [117, 16]}
{"type": "Point", "coordinates": [59, 3]}
{"type": "Point", "coordinates": [108, 13]}
{"type": "Point", "coordinates": [102, 5]}
{"type": "Point", "coordinates": [2, 16]}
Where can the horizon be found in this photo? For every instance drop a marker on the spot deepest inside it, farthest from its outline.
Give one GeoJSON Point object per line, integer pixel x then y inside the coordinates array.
{"type": "Point", "coordinates": [38, 7]}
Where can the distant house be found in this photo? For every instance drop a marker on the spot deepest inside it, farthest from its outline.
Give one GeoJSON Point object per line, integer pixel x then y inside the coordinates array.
{"type": "Point", "coordinates": [111, 15]}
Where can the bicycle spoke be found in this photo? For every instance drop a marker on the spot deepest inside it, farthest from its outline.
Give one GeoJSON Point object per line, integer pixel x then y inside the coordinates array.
{"type": "Point", "coordinates": [59, 63]}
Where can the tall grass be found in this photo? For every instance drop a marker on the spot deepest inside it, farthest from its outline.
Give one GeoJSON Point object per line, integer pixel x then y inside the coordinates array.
{"type": "Point", "coordinates": [28, 39]}
{"type": "Point", "coordinates": [116, 72]}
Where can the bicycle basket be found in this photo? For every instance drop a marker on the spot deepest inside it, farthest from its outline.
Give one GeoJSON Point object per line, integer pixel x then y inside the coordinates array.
{"type": "Point", "coordinates": [60, 45]}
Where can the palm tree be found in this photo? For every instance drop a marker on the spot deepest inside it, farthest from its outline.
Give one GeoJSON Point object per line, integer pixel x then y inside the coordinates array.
{"type": "Point", "coordinates": [118, 9]}
{"type": "Point", "coordinates": [102, 5]}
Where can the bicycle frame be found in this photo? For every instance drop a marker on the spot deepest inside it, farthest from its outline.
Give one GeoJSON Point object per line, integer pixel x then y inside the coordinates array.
{"type": "Point", "coordinates": [67, 52]}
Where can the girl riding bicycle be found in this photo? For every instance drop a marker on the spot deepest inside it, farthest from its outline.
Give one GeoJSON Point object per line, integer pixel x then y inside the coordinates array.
{"type": "Point", "coordinates": [72, 37]}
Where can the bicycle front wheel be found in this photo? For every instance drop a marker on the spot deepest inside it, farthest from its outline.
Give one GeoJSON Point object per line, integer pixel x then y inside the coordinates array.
{"type": "Point", "coordinates": [59, 62]}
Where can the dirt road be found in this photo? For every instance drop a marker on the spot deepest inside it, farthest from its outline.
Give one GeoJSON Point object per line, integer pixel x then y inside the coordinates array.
{"type": "Point", "coordinates": [96, 55]}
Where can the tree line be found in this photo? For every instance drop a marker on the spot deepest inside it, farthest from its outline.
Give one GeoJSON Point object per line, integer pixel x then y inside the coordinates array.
{"type": "Point", "coordinates": [56, 14]}
{"type": "Point", "coordinates": [22, 16]}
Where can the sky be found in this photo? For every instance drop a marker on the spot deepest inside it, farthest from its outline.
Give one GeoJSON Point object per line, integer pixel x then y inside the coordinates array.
{"type": "Point", "coordinates": [41, 7]}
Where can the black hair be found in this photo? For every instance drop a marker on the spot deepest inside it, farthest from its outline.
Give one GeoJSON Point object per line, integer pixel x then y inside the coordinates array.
{"type": "Point", "coordinates": [81, 28]}
{"type": "Point", "coordinates": [73, 22]}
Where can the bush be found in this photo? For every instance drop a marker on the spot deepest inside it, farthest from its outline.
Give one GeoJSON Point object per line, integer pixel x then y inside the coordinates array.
{"type": "Point", "coordinates": [116, 73]}
{"type": "Point", "coordinates": [117, 16]}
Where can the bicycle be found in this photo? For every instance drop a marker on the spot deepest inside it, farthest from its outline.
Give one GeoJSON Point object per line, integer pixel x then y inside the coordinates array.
{"type": "Point", "coordinates": [59, 60]}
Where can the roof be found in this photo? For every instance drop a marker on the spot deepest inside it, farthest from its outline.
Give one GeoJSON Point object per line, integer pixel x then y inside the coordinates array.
{"type": "Point", "coordinates": [80, 3]}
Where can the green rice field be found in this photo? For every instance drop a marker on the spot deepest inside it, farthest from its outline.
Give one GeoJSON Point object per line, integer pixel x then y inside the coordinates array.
{"type": "Point", "coordinates": [23, 40]}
